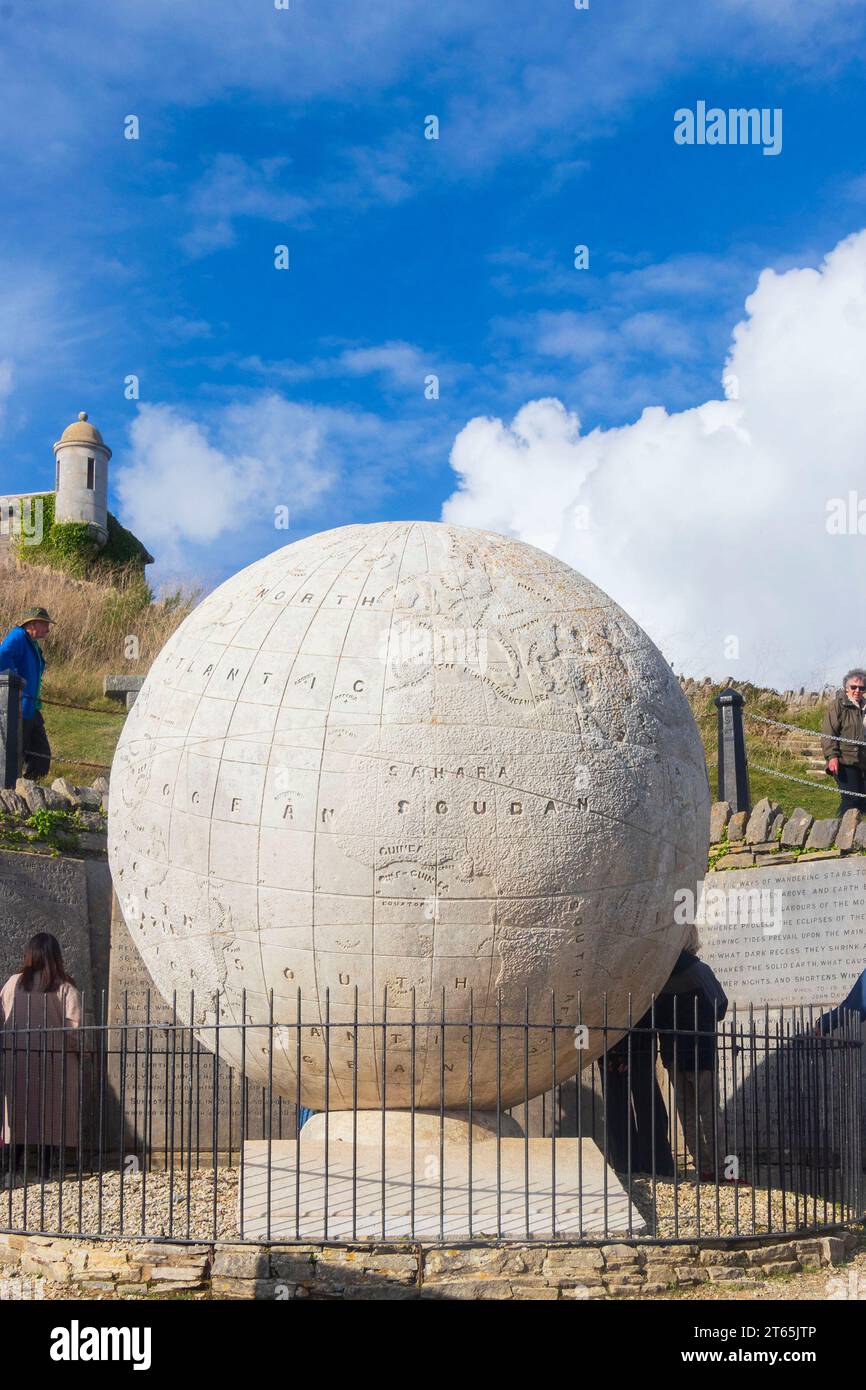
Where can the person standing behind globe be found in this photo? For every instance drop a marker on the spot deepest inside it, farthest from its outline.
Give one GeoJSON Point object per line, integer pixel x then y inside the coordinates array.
{"type": "Point", "coordinates": [843, 741]}
{"type": "Point", "coordinates": [636, 1120]}
{"type": "Point", "coordinates": [20, 652]}
{"type": "Point", "coordinates": [687, 1014]}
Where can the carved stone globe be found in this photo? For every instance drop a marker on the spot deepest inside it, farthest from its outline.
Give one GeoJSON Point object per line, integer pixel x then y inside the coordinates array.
{"type": "Point", "coordinates": [410, 774]}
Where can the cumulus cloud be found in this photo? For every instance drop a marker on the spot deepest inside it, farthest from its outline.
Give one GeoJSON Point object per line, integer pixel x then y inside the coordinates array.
{"type": "Point", "coordinates": [710, 525]}
{"type": "Point", "coordinates": [187, 483]}
{"type": "Point", "coordinates": [200, 487]}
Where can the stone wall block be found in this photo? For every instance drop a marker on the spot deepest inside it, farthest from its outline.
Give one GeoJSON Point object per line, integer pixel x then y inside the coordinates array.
{"type": "Point", "coordinates": [848, 829]}
{"type": "Point", "coordinates": [823, 833]}
{"type": "Point", "coordinates": [242, 1262]}
{"type": "Point", "coordinates": [720, 814]}
{"type": "Point", "coordinates": [737, 825]}
{"type": "Point", "coordinates": [758, 825]}
{"type": "Point", "coordinates": [796, 828]}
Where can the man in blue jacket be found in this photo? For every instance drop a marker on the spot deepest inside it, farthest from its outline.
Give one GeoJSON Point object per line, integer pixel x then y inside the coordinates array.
{"type": "Point", "coordinates": [854, 1002]}
{"type": "Point", "coordinates": [20, 651]}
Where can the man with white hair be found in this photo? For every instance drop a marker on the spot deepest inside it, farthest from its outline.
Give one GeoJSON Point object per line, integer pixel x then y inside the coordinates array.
{"type": "Point", "coordinates": [843, 741]}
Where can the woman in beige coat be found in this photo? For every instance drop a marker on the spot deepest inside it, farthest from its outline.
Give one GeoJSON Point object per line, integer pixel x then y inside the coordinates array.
{"type": "Point", "coordinates": [40, 1015]}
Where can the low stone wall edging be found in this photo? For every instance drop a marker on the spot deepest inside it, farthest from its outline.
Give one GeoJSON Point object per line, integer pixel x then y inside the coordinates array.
{"type": "Point", "coordinates": [136, 1269]}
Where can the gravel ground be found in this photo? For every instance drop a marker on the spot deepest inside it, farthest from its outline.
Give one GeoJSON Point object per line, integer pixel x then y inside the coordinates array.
{"type": "Point", "coordinates": [94, 1205]}
{"type": "Point", "coordinates": [688, 1210]}
{"type": "Point", "coordinates": [685, 1211]}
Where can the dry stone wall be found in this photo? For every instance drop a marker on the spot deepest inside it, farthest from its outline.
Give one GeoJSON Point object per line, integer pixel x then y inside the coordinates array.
{"type": "Point", "coordinates": [766, 836]}
{"type": "Point", "coordinates": [795, 699]}
{"type": "Point", "coordinates": [65, 1268]}
{"type": "Point", "coordinates": [77, 826]}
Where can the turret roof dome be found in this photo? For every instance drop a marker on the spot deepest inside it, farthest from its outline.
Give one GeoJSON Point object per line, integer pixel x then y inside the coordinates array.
{"type": "Point", "coordinates": [81, 432]}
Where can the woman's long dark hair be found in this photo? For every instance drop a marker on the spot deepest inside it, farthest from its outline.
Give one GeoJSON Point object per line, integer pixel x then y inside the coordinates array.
{"type": "Point", "coordinates": [43, 956]}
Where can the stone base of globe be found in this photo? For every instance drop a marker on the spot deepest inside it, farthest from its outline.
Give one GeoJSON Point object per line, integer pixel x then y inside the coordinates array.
{"type": "Point", "coordinates": [357, 1188]}
{"type": "Point", "coordinates": [364, 1127]}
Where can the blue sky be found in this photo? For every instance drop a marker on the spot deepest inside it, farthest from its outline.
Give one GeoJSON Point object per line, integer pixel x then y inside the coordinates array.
{"type": "Point", "coordinates": [410, 256]}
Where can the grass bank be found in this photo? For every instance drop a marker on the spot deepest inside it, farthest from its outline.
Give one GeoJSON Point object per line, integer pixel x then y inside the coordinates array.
{"type": "Point", "coordinates": [98, 629]}
{"type": "Point", "coordinates": [774, 749]}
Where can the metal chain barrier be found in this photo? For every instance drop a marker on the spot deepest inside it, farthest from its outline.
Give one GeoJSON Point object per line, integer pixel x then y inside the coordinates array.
{"type": "Point", "coordinates": [78, 762]}
{"type": "Point", "coordinates": [86, 709]}
{"type": "Point", "coordinates": [807, 733]}
{"type": "Point", "coordinates": [804, 781]}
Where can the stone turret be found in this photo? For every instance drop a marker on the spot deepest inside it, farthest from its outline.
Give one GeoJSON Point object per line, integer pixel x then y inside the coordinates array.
{"type": "Point", "coordinates": [82, 477]}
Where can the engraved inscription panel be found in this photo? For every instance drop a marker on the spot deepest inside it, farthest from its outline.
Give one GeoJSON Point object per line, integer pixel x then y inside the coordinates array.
{"type": "Point", "coordinates": [797, 936]}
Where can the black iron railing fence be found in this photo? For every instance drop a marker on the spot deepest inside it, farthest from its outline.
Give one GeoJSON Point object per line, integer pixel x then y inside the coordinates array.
{"type": "Point", "coordinates": [144, 1129]}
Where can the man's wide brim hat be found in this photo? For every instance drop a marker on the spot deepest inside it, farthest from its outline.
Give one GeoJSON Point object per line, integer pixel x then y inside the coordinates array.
{"type": "Point", "coordinates": [34, 615]}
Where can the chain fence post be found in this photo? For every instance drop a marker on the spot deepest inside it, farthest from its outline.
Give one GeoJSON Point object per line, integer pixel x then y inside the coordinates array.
{"type": "Point", "coordinates": [733, 764]}
{"type": "Point", "coordinates": [11, 728]}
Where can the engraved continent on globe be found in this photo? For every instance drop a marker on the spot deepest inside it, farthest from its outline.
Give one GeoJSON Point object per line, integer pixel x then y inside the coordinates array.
{"type": "Point", "coordinates": [404, 771]}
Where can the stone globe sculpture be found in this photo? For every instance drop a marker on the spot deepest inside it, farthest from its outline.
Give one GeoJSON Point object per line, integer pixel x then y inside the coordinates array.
{"type": "Point", "coordinates": [421, 776]}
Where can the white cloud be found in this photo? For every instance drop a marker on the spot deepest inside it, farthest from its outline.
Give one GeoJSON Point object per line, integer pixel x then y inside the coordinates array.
{"type": "Point", "coordinates": [232, 188]}
{"type": "Point", "coordinates": [184, 484]}
{"type": "Point", "coordinates": [7, 376]}
{"type": "Point", "coordinates": [50, 329]}
{"type": "Point", "coordinates": [509, 82]}
{"type": "Point", "coordinates": [621, 359]}
{"type": "Point", "coordinates": [179, 329]}
{"type": "Point", "coordinates": [400, 366]}
{"type": "Point", "coordinates": [711, 522]}
{"type": "Point", "coordinates": [200, 491]}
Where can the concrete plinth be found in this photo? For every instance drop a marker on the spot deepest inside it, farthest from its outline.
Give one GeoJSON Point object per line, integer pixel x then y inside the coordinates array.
{"type": "Point", "coordinates": [403, 1128]}
{"type": "Point", "coordinates": [546, 1188]}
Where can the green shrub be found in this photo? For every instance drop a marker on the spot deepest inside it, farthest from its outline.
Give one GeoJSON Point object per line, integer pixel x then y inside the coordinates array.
{"type": "Point", "coordinates": [70, 546]}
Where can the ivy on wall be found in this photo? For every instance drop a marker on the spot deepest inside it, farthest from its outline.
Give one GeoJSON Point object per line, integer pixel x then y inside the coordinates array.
{"type": "Point", "coordinates": [70, 546]}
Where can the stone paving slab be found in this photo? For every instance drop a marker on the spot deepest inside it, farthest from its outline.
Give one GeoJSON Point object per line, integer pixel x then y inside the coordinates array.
{"type": "Point", "coordinates": [358, 1191]}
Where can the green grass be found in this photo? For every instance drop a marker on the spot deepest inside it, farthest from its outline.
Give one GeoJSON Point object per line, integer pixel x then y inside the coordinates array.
{"type": "Point", "coordinates": [820, 803]}
{"type": "Point", "coordinates": [99, 628]}
{"type": "Point", "coordinates": [820, 798]}
{"type": "Point", "coordinates": [90, 738]}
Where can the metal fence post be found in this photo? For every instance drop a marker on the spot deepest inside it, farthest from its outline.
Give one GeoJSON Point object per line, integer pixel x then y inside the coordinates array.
{"type": "Point", "coordinates": [733, 766]}
{"type": "Point", "coordinates": [11, 727]}
{"type": "Point", "coordinates": [795, 1097]}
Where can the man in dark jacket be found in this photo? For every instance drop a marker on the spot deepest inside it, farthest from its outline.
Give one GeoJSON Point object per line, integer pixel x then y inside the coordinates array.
{"type": "Point", "coordinates": [20, 651]}
{"type": "Point", "coordinates": [686, 1013]}
{"type": "Point", "coordinates": [636, 1118]}
{"type": "Point", "coordinates": [843, 741]}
